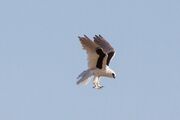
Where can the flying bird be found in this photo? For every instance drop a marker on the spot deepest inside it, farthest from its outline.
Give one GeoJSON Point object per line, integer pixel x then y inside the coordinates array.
{"type": "Point", "coordinates": [100, 53]}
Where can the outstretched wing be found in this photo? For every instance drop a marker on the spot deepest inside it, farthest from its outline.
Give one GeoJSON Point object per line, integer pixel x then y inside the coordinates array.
{"type": "Point", "coordinates": [90, 48]}
{"type": "Point", "coordinates": [107, 48]}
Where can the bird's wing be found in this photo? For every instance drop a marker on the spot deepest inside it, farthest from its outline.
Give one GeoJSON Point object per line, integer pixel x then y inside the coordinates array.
{"type": "Point", "coordinates": [105, 45]}
{"type": "Point", "coordinates": [90, 47]}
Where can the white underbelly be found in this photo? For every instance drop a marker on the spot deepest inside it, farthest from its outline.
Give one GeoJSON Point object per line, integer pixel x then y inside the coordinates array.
{"type": "Point", "coordinates": [99, 72]}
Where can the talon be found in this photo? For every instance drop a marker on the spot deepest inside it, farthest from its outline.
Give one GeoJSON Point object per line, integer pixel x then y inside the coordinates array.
{"type": "Point", "coordinates": [101, 87]}
{"type": "Point", "coordinates": [96, 87]}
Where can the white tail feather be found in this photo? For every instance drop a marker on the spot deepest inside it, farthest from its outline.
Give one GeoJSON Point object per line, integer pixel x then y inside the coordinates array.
{"type": "Point", "coordinates": [84, 77]}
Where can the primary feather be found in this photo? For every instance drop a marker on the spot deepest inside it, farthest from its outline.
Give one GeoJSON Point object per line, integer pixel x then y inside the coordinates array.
{"type": "Point", "coordinates": [90, 48]}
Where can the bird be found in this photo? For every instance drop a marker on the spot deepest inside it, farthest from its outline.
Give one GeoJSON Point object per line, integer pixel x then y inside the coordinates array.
{"type": "Point", "coordinates": [100, 53]}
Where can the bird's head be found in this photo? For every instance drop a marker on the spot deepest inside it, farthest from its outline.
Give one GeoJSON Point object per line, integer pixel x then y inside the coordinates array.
{"type": "Point", "coordinates": [110, 73]}
{"type": "Point", "coordinates": [113, 75]}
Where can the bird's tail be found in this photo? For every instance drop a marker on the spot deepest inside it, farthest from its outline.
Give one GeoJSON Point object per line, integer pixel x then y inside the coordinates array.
{"type": "Point", "coordinates": [83, 77]}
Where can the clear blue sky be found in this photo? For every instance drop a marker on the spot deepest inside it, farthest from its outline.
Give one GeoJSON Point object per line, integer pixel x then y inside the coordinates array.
{"type": "Point", "coordinates": [40, 58]}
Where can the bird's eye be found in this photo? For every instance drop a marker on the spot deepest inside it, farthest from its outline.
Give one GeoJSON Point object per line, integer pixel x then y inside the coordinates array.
{"type": "Point", "coordinates": [113, 75]}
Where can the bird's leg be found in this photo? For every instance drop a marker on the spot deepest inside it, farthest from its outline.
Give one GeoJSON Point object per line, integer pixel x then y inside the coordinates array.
{"type": "Point", "coordinates": [96, 82]}
{"type": "Point", "coordinates": [95, 85]}
{"type": "Point", "coordinates": [99, 84]}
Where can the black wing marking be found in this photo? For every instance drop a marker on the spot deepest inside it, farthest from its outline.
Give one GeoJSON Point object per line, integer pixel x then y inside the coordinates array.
{"type": "Point", "coordinates": [105, 45]}
{"type": "Point", "coordinates": [101, 54]}
{"type": "Point", "coordinates": [110, 55]}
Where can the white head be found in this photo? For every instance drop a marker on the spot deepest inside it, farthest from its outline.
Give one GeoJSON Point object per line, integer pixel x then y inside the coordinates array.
{"type": "Point", "coordinates": [110, 73]}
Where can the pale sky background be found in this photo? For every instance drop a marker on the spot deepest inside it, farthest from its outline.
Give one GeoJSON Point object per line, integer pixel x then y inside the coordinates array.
{"type": "Point", "coordinates": [40, 58]}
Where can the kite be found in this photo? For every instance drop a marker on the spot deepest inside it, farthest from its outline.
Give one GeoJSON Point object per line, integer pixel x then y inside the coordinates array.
{"type": "Point", "coordinates": [100, 53]}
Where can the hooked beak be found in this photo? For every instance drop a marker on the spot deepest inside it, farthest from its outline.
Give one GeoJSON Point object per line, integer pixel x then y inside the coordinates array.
{"type": "Point", "coordinates": [114, 76]}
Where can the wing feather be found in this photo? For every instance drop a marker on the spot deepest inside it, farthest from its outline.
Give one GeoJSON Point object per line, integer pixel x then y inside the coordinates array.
{"type": "Point", "coordinates": [99, 40]}
{"type": "Point", "coordinates": [90, 48]}
{"type": "Point", "coordinates": [105, 45]}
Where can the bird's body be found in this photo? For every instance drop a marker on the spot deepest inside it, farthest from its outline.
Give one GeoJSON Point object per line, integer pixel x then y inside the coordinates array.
{"type": "Point", "coordinates": [99, 53]}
